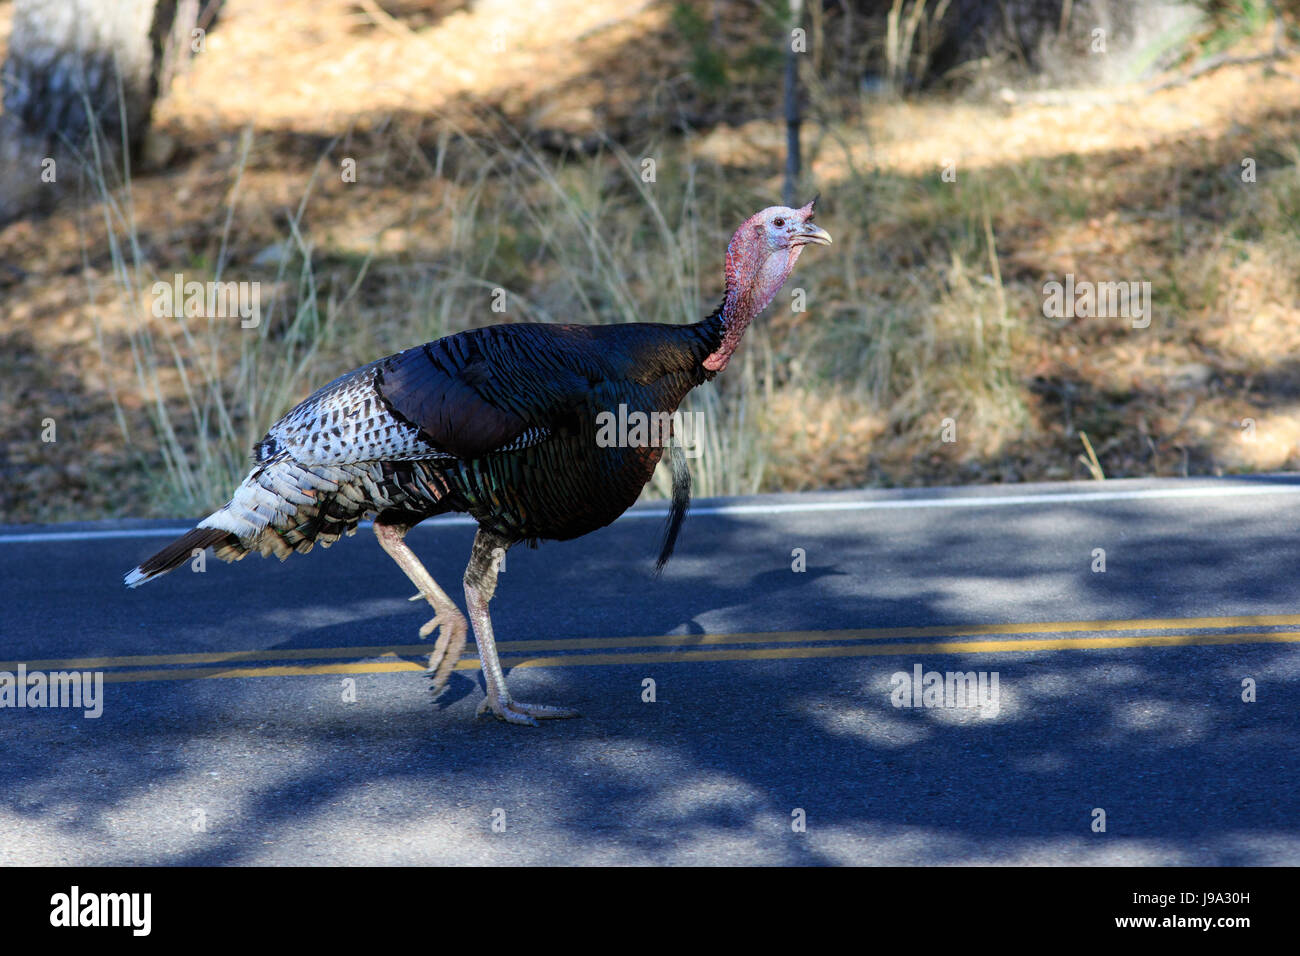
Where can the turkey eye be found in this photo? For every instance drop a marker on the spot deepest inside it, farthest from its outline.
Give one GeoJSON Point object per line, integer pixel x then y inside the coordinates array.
{"type": "Point", "coordinates": [778, 223]}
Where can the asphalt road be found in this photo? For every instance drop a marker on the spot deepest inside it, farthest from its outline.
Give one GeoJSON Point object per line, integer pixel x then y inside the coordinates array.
{"type": "Point", "coordinates": [225, 736]}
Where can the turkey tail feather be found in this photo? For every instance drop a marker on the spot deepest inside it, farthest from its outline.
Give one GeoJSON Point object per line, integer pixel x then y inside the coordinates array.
{"type": "Point", "coordinates": [681, 502]}
{"type": "Point", "coordinates": [176, 554]}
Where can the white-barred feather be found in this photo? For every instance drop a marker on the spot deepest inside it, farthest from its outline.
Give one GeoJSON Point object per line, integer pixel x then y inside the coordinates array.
{"type": "Point", "coordinates": [347, 421]}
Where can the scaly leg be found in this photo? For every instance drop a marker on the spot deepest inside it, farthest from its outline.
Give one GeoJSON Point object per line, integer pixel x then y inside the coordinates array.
{"type": "Point", "coordinates": [452, 629]}
{"type": "Point", "coordinates": [480, 585]}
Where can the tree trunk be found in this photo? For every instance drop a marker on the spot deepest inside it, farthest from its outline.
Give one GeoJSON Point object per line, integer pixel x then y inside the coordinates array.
{"type": "Point", "coordinates": [77, 69]}
{"type": "Point", "coordinates": [793, 115]}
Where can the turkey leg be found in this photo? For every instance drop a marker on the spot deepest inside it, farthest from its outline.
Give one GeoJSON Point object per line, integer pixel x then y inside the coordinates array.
{"type": "Point", "coordinates": [452, 629]}
{"type": "Point", "coordinates": [480, 585]}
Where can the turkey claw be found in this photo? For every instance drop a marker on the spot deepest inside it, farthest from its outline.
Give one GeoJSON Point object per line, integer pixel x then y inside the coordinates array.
{"type": "Point", "coordinates": [452, 631]}
{"type": "Point", "coordinates": [524, 715]}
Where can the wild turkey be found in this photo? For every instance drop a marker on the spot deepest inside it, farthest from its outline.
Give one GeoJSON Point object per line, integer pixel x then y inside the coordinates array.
{"type": "Point", "coordinates": [501, 423]}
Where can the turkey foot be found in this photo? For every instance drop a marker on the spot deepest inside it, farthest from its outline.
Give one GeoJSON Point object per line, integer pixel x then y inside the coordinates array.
{"type": "Point", "coordinates": [447, 649]}
{"type": "Point", "coordinates": [525, 715]}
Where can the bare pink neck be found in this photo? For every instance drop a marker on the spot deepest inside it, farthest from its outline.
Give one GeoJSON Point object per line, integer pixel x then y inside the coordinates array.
{"type": "Point", "coordinates": [750, 287]}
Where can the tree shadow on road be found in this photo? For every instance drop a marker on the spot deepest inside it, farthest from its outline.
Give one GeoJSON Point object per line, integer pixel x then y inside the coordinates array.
{"type": "Point", "coordinates": [719, 765]}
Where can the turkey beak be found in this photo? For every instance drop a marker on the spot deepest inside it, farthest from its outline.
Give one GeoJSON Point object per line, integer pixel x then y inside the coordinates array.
{"type": "Point", "coordinates": [812, 233]}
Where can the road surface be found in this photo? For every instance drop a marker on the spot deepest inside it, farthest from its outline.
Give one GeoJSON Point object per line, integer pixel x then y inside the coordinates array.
{"type": "Point", "coordinates": [229, 733]}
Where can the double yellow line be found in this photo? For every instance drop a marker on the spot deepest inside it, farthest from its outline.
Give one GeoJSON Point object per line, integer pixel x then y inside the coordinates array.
{"type": "Point", "coordinates": [793, 645]}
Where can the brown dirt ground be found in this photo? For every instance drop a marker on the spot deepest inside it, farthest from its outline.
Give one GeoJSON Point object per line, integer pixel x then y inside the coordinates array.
{"type": "Point", "coordinates": [1166, 403]}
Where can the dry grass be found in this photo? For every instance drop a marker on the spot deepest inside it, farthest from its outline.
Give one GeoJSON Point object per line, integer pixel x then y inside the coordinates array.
{"type": "Point", "coordinates": [928, 307]}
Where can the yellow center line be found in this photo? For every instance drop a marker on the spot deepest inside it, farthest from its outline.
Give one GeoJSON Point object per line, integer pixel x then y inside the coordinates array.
{"type": "Point", "coordinates": [673, 640]}
{"type": "Point", "coordinates": [685, 655]}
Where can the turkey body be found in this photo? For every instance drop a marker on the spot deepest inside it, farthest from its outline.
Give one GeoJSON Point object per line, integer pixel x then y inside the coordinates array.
{"type": "Point", "coordinates": [500, 423]}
